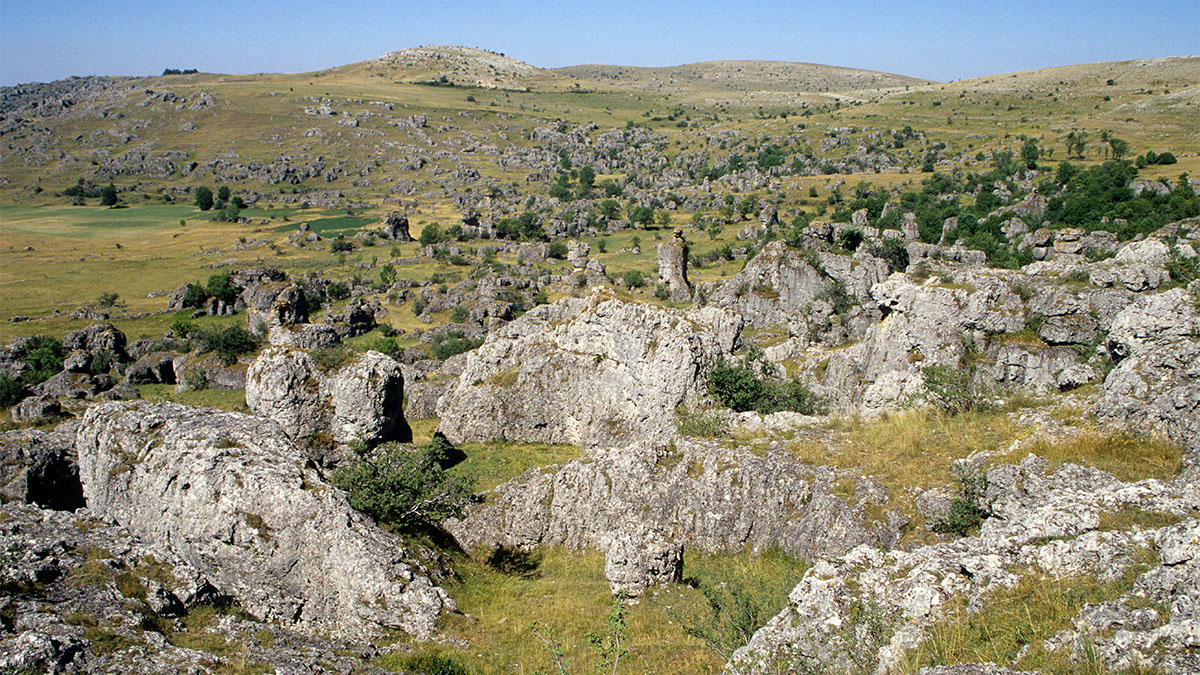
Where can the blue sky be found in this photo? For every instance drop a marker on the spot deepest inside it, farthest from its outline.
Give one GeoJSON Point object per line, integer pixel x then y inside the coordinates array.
{"type": "Point", "coordinates": [41, 40]}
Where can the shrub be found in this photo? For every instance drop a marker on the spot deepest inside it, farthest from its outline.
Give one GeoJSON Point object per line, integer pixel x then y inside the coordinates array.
{"type": "Point", "coordinates": [964, 513]}
{"type": "Point", "coordinates": [44, 356]}
{"type": "Point", "coordinates": [337, 290]}
{"type": "Point", "coordinates": [452, 343]}
{"type": "Point", "coordinates": [558, 250]}
{"type": "Point", "coordinates": [741, 388]}
{"type": "Point", "coordinates": [634, 278]}
{"type": "Point", "coordinates": [341, 246]}
{"type": "Point", "coordinates": [228, 343]}
{"type": "Point", "coordinates": [850, 238]}
{"type": "Point", "coordinates": [892, 250]}
{"type": "Point", "coordinates": [386, 345]}
{"type": "Point", "coordinates": [458, 314]}
{"type": "Point", "coordinates": [402, 486]}
{"type": "Point", "coordinates": [220, 286]}
{"type": "Point", "coordinates": [951, 389]}
{"type": "Point", "coordinates": [195, 296]}
{"type": "Point", "coordinates": [107, 299]}
{"type": "Point", "coordinates": [12, 390]}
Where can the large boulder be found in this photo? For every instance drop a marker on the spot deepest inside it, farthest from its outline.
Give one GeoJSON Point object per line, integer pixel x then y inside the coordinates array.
{"type": "Point", "coordinates": [586, 370]}
{"type": "Point", "coordinates": [360, 401]}
{"type": "Point", "coordinates": [1156, 383]}
{"type": "Point", "coordinates": [274, 303]}
{"type": "Point", "coordinates": [697, 494]}
{"type": "Point", "coordinates": [95, 339]}
{"type": "Point", "coordinates": [395, 227]}
{"type": "Point", "coordinates": [152, 368]}
{"type": "Point", "coordinates": [672, 267]}
{"type": "Point", "coordinates": [804, 291]}
{"type": "Point", "coordinates": [228, 494]}
{"type": "Point", "coordinates": [39, 467]}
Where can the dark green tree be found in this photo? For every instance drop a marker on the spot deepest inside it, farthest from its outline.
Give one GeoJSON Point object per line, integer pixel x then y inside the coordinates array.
{"type": "Point", "coordinates": [204, 198]}
{"type": "Point", "coordinates": [1030, 153]}
{"type": "Point", "coordinates": [108, 195]}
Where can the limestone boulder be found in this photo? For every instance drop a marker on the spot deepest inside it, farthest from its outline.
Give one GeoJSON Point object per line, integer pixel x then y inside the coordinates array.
{"type": "Point", "coordinates": [588, 370]}
{"type": "Point", "coordinates": [359, 401]}
{"type": "Point", "coordinates": [231, 496]}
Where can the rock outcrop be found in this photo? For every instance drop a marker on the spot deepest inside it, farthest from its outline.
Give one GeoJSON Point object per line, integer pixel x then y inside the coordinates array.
{"type": "Point", "coordinates": [125, 615]}
{"type": "Point", "coordinates": [672, 267]}
{"type": "Point", "coordinates": [1044, 525]}
{"type": "Point", "coordinates": [595, 370]}
{"type": "Point", "coordinates": [395, 227]}
{"type": "Point", "coordinates": [229, 495]}
{"type": "Point", "coordinates": [359, 401]}
{"type": "Point", "coordinates": [38, 467]}
{"type": "Point", "coordinates": [1156, 383]}
{"type": "Point", "coordinates": [699, 495]}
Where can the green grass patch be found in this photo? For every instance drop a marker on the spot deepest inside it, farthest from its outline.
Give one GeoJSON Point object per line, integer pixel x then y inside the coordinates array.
{"type": "Point", "coordinates": [568, 598]}
{"type": "Point", "coordinates": [1127, 456]}
{"type": "Point", "coordinates": [1033, 611]}
{"type": "Point", "coordinates": [331, 226]}
{"type": "Point", "coordinates": [496, 463]}
{"type": "Point", "coordinates": [233, 400]}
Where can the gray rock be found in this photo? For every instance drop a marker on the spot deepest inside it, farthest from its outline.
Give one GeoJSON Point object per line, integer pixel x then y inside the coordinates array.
{"type": "Point", "coordinates": [229, 495]}
{"type": "Point", "coordinates": [360, 401]}
{"type": "Point", "coordinates": [594, 369]}
{"type": "Point", "coordinates": [153, 368]}
{"type": "Point", "coordinates": [700, 495]}
{"type": "Point", "coordinates": [36, 409]}
{"type": "Point", "coordinates": [305, 336]}
{"type": "Point", "coordinates": [38, 467]}
{"type": "Point", "coordinates": [635, 560]}
{"type": "Point", "coordinates": [1156, 383]}
{"type": "Point", "coordinates": [95, 339]}
{"type": "Point", "coordinates": [672, 267]}
{"type": "Point", "coordinates": [274, 303]}
{"type": "Point", "coordinates": [395, 227]}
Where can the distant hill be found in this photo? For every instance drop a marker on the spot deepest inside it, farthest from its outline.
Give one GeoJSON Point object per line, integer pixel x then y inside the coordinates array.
{"type": "Point", "coordinates": [741, 76]}
{"type": "Point", "coordinates": [463, 66]}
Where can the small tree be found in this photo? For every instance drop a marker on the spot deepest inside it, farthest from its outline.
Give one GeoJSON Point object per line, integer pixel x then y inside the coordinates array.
{"type": "Point", "coordinates": [204, 198]}
{"type": "Point", "coordinates": [223, 194]}
{"type": "Point", "coordinates": [1030, 153]}
{"type": "Point", "coordinates": [108, 195]}
{"type": "Point", "coordinates": [402, 486]}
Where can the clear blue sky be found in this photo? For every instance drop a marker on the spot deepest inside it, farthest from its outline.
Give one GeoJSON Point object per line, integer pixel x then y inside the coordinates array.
{"type": "Point", "coordinates": [42, 40]}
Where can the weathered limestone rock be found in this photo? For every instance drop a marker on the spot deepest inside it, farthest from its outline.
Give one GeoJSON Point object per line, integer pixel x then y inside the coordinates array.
{"type": "Point", "coordinates": [577, 253]}
{"type": "Point", "coordinates": [395, 227]}
{"type": "Point", "coordinates": [95, 339]}
{"type": "Point", "coordinates": [1045, 525]}
{"type": "Point", "coordinates": [635, 560]}
{"type": "Point", "coordinates": [699, 495]}
{"type": "Point", "coordinates": [1156, 383]}
{"type": "Point", "coordinates": [305, 336]}
{"type": "Point", "coordinates": [153, 368]}
{"type": "Point", "coordinates": [360, 401]}
{"type": "Point", "coordinates": [274, 303]}
{"type": "Point", "coordinates": [672, 267]}
{"type": "Point", "coordinates": [787, 287]}
{"type": "Point", "coordinates": [585, 370]}
{"type": "Point", "coordinates": [36, 409]}
{"type": "Point", "coordinates": [38, 467]}
{"type": "Point", "coordinates": [42, 556]}
{"type": "Point", "coordinates": [229, 495]}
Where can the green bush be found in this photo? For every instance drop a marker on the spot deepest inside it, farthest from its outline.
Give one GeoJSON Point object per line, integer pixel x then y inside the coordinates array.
{"type": "Point", "coordinates": [44, 356]}
{"type": "Point", "coordinates": [964, 513]}
{"type": "Point", "coordinates": [337, 290]}
{"type": "Point", "coordinates": [634, 278]}
{"type": "Point", "coordinates": [195, 296]}
{"type": "Point", "coordinates": [400, 485]}
{"type": "Point", "coordinates": [12, 390]}
{"type": "Point", "coordinates": [228, 343]}
{"type": "Point", "coordinates": [220, 286]}
{"type": "Point", "coordinates": [386, 345]}
{"type": "Point", "coordinates": [452, 343]}
{"type": "Point", "coordinates": [742, 388]}
{"type": "Point", "coordinates": [951, 389]}
{"type": "Point", "coordinates": [892, 250]}
{"type": "Point", "coordinates": [558, 250]}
